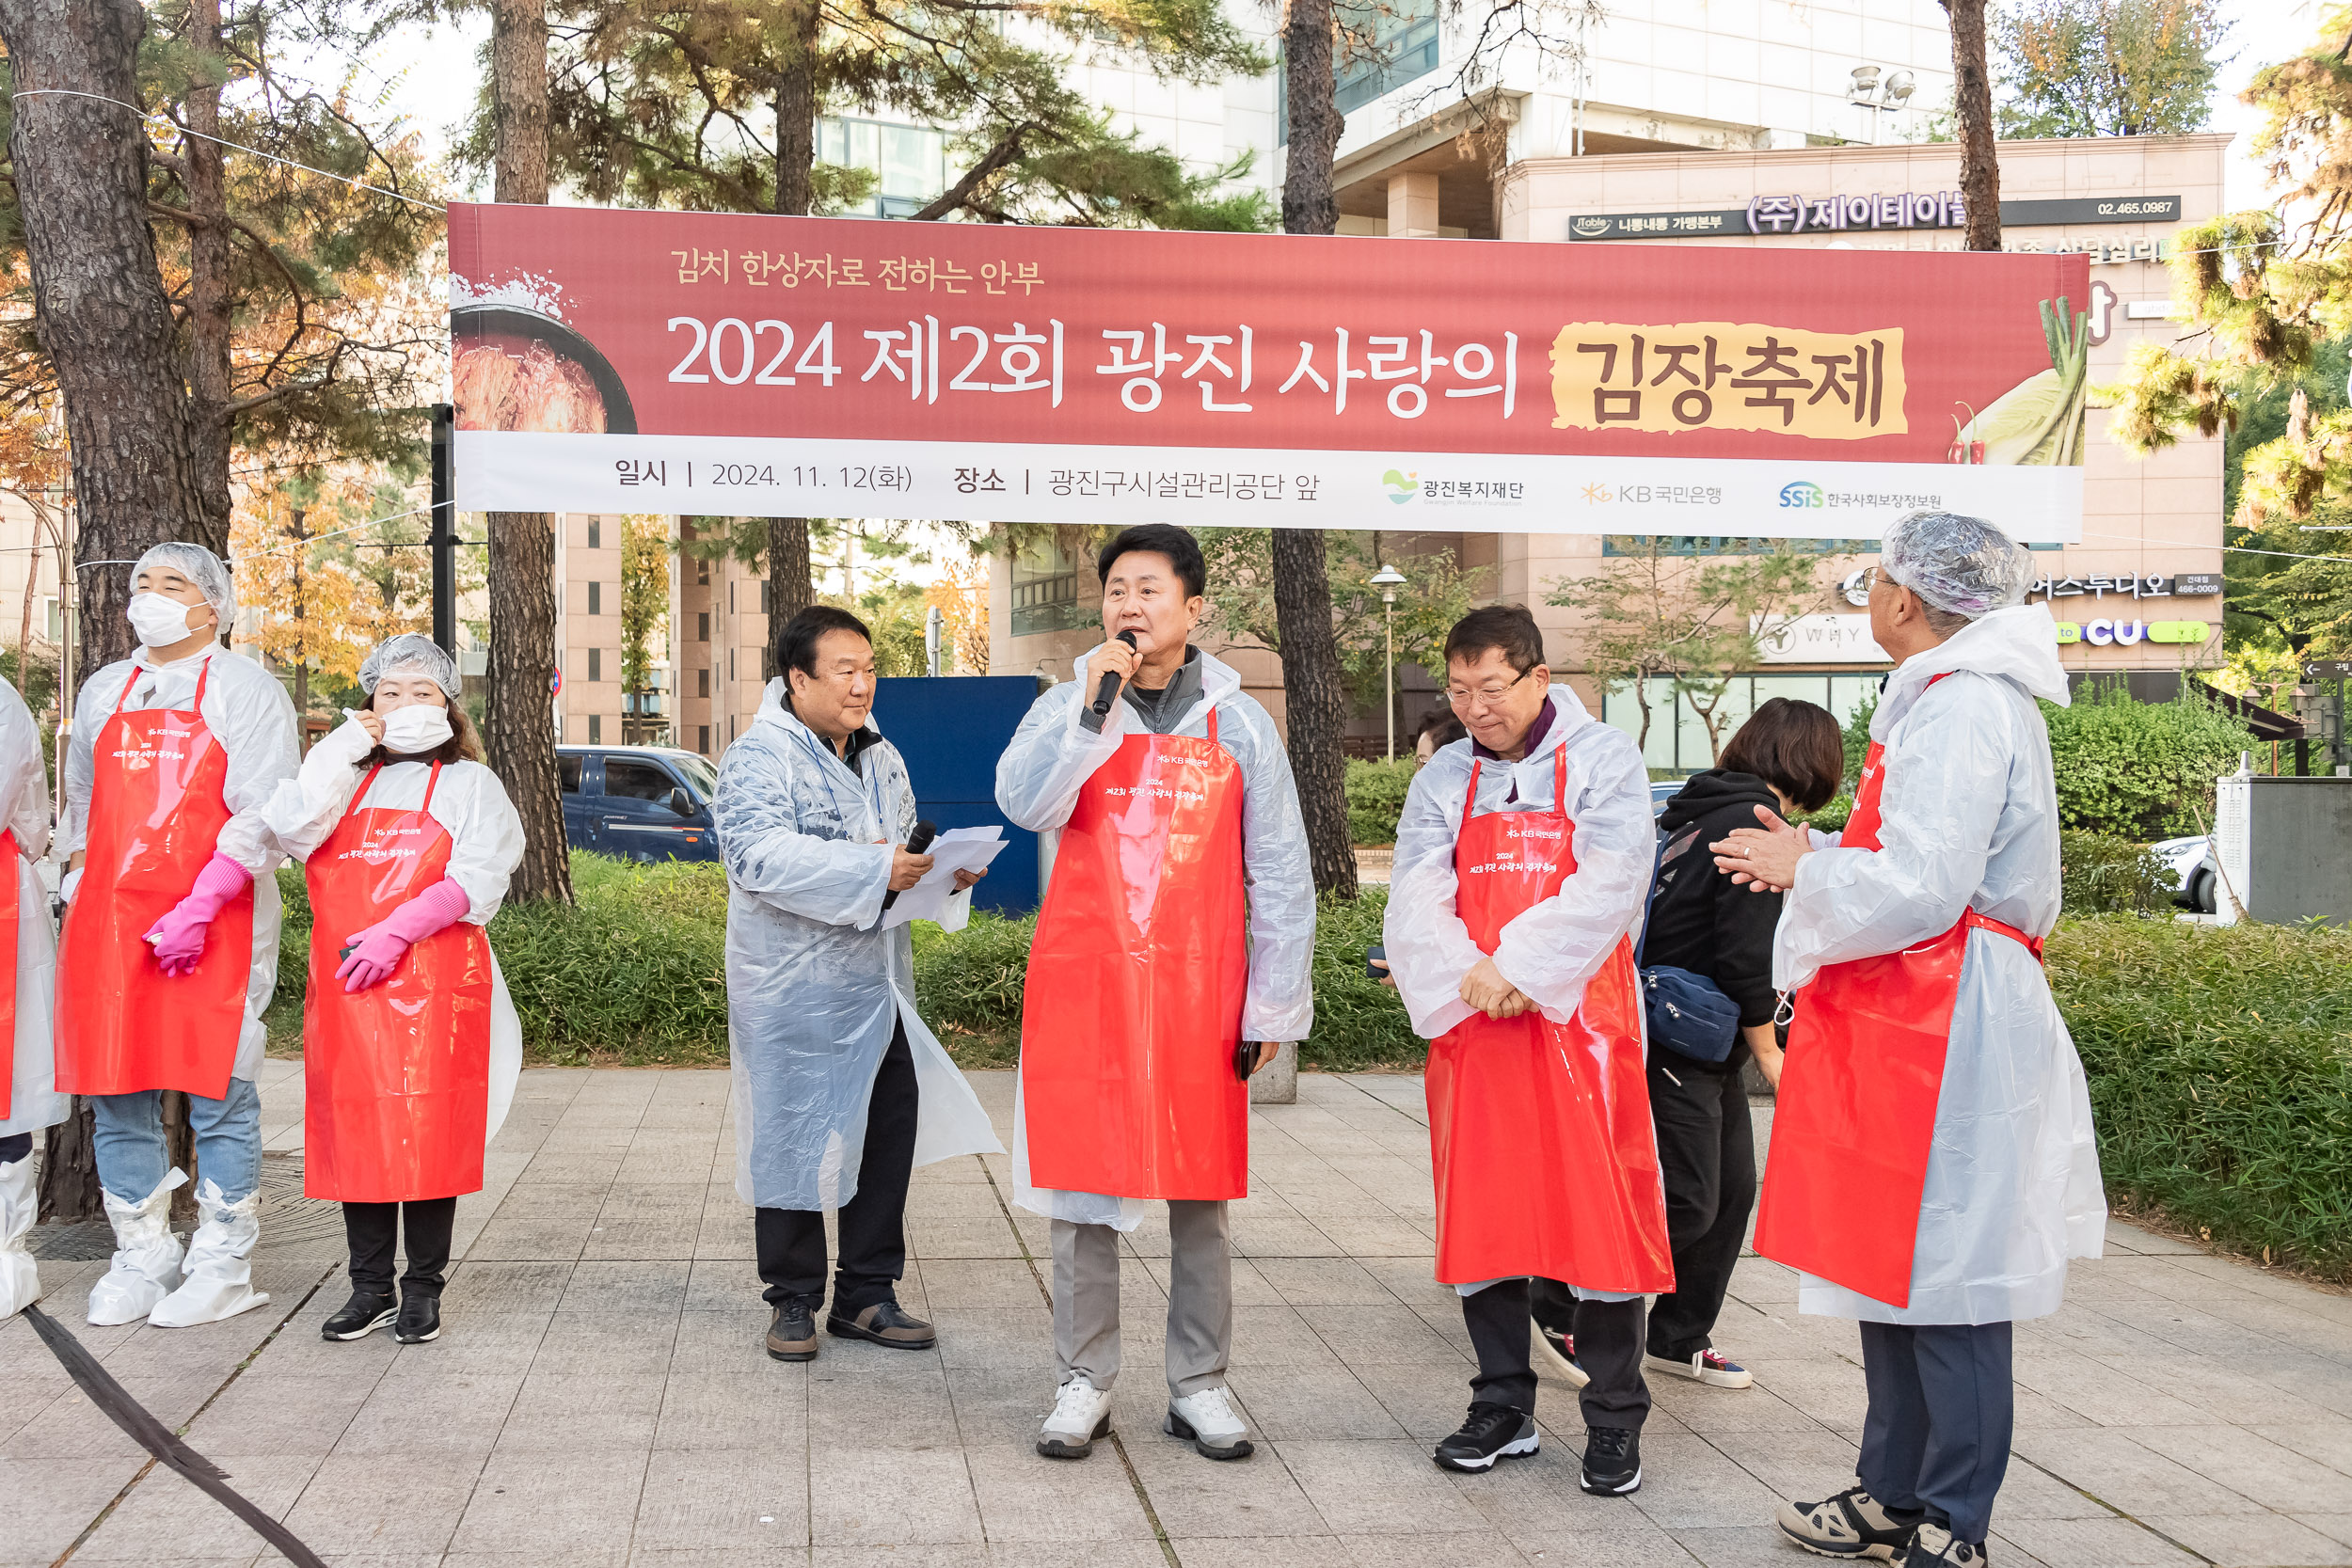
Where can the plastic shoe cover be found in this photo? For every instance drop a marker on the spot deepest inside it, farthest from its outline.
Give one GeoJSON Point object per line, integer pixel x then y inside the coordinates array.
{"type": "Point", "coordinates": [20, 1276]}
{"type": "Point", "coordinates": [219, 1279]}
{"type": "Point", "coordinates": [147, 1257]}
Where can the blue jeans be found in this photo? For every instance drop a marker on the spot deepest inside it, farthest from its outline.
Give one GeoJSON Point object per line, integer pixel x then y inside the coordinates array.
{"type": "Point", "coordinates": [131, 1159]}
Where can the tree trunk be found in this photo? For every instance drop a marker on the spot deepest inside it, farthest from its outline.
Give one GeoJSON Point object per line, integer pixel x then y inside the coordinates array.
{"type": "Point", "coordinates": [1315, 693]}
{"type": "Point", "coordinates": [520, 708]}
{"type": "Point", "coordinates": [790, 585]}
{"type": "Point", "coordinates": [209, 259]}
{"type": "Point", "coordinates": [1971, 108]}
{"type": "Point", "coordinates": [80, 167]}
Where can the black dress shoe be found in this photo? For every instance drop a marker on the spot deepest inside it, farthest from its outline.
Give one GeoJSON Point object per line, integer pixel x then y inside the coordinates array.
{"type": "Point", "coordinates": [360, 1317]}
{"type": "Point", "coordinates": [1612, 1462]}
{"type": "Point", "coordinates": [1492, 1433]}
{"type": "Point", "coordinates": [792, 1336]}
{"type": "Point", "coordinates": [883, 1324]}
{"type": "Point", "coordinates": [419, 1320]}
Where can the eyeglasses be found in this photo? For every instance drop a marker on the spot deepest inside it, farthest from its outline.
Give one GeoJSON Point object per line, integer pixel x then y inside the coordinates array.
{"type": "Point", "coordinates": [1493, 692]}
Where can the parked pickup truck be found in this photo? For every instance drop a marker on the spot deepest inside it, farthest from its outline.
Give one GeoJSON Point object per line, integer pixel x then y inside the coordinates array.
{"type": "Point", "coordinates": [638, 802]}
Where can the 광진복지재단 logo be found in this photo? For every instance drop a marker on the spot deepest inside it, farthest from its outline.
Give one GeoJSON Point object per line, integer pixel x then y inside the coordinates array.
{"type": "Point", "coordinates": [1402, 487]}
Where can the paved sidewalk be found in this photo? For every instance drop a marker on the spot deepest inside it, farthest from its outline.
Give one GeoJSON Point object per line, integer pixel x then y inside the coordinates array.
{"type": "Point", "coordinates": [600, 1399]}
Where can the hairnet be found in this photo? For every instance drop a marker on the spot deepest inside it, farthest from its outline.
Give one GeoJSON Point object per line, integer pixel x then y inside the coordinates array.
{"type": "Point", "coordinates": [1961, 564]}
{"type": "Point", "coordinates": [409, 653]}
{"type": "Point", "coordinates": [201, 567]}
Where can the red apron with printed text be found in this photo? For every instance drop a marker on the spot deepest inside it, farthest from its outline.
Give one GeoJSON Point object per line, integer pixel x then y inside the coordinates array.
{"type": "Point", "coordinates": [156, 809]}
{"type": "Point", "coordinates": [8, 973]}
{"type": "Point", "coordinates": [1132, 1010]}
{"type": "Point", "coordinates": [1855, 1114]}
{"type": "Point", "coordinates": [396, 1078]}
{"type": "Point", "coordinates": [1539, 1133]}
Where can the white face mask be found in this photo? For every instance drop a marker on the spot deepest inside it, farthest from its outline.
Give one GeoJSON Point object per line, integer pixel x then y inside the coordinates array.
{"type": "Point", "coordinates": [158, 621]}
{"type": "Point", "coordinates": [418, 727]}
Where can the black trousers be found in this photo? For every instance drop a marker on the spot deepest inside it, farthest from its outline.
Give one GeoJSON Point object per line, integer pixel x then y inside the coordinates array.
{"type": "Point", "coordinates": [1943, 1404]}
{"type": "Point", "coordinates": [373, 1229]}
{"type": "Point", "coordinates": [1608, 1347]}
{"type": "Point", "coordinates": [1707, 1148]}
{"type": "Point", "coordinates": [791, 1242]}
{"type": "Point", "coordinates": [15, 1146]}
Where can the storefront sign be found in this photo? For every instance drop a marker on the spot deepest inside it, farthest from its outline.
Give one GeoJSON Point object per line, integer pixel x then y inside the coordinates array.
{"type": "Point", "coordinates": [1879, 209]}
{"type": "Point", "coordinates": [2151, 585]}
{"type": "Point", "coordinates": [2104, 633]}
{"type": "Point", "coordinates": [1823, 640]}
{"type": "Point", "coordinates": [765, 366]}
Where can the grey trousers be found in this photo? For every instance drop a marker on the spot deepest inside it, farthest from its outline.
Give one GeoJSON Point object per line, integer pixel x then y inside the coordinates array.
{"type": "Point", "coordinates": [1942, 1405]}
{"type": "Point", "coordinates": [1199, 1298]}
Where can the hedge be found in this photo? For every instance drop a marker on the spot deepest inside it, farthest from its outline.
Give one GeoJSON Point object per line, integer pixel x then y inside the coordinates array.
{"type": "Point", "coordinates": [2220, 1060]}
{"type": "Point", "coordinates": [2101, 874]}
{"type": "Point", "coordinates": [1376, 799]}
{"type": "Point", "coordinates": [2142, 770]}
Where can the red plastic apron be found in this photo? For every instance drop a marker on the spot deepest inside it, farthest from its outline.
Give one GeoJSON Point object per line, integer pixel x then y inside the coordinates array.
{"type": "Point", "coordinates": [1539, 1133]}
{"type": "Point", "coordinates": [1132, 1010]}
{"type": "Point", "coordinates": [396, 1078]}
{"type": "Point", "coordinates": [8, 975]}
{"type": "Point", "coordinates": [1855, 1115]}
{"type": "Point", "coordinates": [156, 810]}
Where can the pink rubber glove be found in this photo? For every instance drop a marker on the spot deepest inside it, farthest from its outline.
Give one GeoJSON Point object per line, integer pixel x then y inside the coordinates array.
{"type": "Point", "coordinates": [377, 951]}
{"type": "Point", "coordinates": [178, 937]}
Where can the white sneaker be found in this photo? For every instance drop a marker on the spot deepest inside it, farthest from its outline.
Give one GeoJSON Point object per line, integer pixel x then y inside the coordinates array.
{"type": "Point", "coordinates": [1207, 1420]}
{"type": "Point", "coordinates": [1081, 1414]}
{"type": "Point", "coordinates": [220, 1266]}
{"type": "Point", "coordinates": [146, 1265]}
{"type": "Point", "coordinates": [1705, 1367]}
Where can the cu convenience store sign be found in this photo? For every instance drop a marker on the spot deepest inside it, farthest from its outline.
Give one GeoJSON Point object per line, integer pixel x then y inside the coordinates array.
{"type": "Point", "coordinates": [747, 365]}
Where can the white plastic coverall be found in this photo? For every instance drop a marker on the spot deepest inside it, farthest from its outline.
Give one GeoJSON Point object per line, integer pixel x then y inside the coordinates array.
{"type": "Point", "coordinates": [1550, 950]}
{"type": "Point", "coordinates": [1037, 779]}
{"type": "Point", "coordinates": [1969, 820]}
{"type": "Point", "coordinates": [486, 845]}
{"type": "Point", "coordinates": [34, 1101]}
{"type": "Point", "coordinates": [813, 985]}
{"type": "Point", "coordinates": [246, 706]}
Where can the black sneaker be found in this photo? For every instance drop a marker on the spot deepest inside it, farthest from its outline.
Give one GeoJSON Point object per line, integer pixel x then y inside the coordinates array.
{"type": "Point", "coordinates": [1612, 1462]}
{"type": "Point", "coordinates": [1492, 1432]}
{"type": "Point", "coordinates": [793, 1335]}
{"type": "Point", "coordinates": [883, 1324]}
{"type": "Point", "coordinates": [360, 1317]}
{"type": "Point", "coordinates": [1934, 1548]}
{"type": "Point", "coordinates": [419, 1320]}
{"type": "Point", "coordinates": [1852, 1524]}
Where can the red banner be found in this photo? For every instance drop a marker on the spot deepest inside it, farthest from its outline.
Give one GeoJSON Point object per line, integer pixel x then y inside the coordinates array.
{"type": "Point", "coordinates": [708, 363]}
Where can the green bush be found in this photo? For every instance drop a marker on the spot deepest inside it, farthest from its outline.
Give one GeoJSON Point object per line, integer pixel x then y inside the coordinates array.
{"type": "Point", "coordinates": [2220, 1076]}
{"type": "Point", "coordinates": [1831, 817]}
{"type": "Point", "coordinates": [1376, 799]}
{"type": "Point", "coordinates": [2140, 771]}
{"type": "Point", "coordinates": [2101, 874]}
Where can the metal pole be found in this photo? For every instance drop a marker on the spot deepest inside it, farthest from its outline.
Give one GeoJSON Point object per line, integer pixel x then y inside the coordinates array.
{"type": "Point", "coordinates": [443, 537]}
{"type": "Point", "coordinates": [1387, 669]}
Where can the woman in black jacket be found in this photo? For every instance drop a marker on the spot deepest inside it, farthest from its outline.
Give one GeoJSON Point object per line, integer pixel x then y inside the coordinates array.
{"type": "Point", "coordinates": [1788, 757]}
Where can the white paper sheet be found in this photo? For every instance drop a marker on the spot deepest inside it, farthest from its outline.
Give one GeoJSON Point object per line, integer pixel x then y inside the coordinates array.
{"type": "Point", "coordinates": [935, 897]}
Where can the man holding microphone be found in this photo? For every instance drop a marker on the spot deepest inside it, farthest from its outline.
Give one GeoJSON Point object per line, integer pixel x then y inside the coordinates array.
{"type": "Point", "coordinates": [1933, 1164]}
{"type": "Point", "coordinates": [1172, 957]}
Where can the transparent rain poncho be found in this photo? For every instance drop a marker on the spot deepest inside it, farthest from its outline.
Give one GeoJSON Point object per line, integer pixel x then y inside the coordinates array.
{"type": "Point", "coordinates": [813, 988]}
{"type": "Point", "coordinates": [1038, 780]}
{"type": "Point", "coordinates": [34, 1101]}
{"type": "Point", "coordinates": [1969, 820]}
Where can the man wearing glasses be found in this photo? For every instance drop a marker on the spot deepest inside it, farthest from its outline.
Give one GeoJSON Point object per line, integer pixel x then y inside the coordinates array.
{"type": "Point", "coordinates": [1521, 862]}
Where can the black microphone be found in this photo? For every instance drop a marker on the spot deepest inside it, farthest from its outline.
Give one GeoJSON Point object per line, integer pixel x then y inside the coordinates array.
{"type": "Point", "coordinates": [1109, 692]}
{"type": "Point", "coordinates": [925, 831]}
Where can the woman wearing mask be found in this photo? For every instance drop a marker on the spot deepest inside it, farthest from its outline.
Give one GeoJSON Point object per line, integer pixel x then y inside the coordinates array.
{"type": "Point", "coordinates": [28, 970]}
{"type": "Point", "coordinates": [1788, 757]}
{"type": "Point", "coordinates": [412, 1046]}
{"type": "Point", "coordinates": [169, 953]}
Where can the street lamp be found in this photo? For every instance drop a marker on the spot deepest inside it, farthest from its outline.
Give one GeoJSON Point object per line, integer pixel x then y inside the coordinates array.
{"type": "Point", "coordinates": [1871, 91]}
{"type": "Point", "coordinates": [1388, 580]}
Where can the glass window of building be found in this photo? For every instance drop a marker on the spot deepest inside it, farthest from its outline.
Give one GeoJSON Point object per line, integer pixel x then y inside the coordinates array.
{"type": "Point", "coordinates": [1045, 591]}
{"type": "Point", "coordinates": [909, 162]}
{"type": "Point", "coordinates": [1382, 46]}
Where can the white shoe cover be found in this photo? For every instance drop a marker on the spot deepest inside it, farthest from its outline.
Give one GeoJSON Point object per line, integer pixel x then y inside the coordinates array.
{"type": "Point", "coordinates": [147, 1257]}
{"type": "Point", "coordinates": [20, 1276]}
{"type": "Point", "coordinates": [219, 1267]}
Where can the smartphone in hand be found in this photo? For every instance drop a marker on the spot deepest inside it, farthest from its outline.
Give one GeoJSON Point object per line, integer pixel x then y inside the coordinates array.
{"type": "Point", "coordinates": [1376, 962]}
